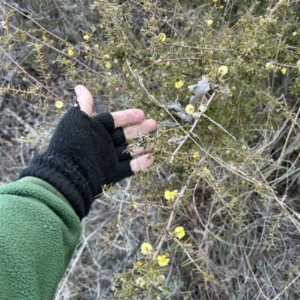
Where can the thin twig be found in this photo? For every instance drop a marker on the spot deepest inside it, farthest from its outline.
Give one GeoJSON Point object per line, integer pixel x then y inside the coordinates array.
{"type": "Point", "coordinates": [59, 51]}
{"type": "Point", "coordinates": [192, 129]}
{"type": "Point", "coordinates": [283, 291]}
{"type": "Point", "coordinates": [27, 74]}
{"type": "Point", "coordinates": [19, 119]}
{"type": "Point", "coordinates": [140, 81]}
{"type": "Point", "coordinates": [176, 203]}
{"type": "Point", "coordinates": [220, 126]}
{"type": "Point", "coordinates": [188, 255]}
{"type": "Point", "coordinates": [142, 204]}
{"type": "Point", "coordinates": [160, 62]}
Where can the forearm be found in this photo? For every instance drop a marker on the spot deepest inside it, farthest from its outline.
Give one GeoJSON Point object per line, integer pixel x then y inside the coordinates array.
{"type": "Point", "coordinates": [39, 232]}
{"type": "Point", "coordinates": [39, 228]}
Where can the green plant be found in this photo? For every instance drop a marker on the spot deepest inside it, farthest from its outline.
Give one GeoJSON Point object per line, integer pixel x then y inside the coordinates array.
{"type": "Point", "coordinates": [234, 164]}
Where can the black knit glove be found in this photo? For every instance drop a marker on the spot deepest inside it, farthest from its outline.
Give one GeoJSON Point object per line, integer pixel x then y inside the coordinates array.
{"type": "Point", "coordinates": [83, 154]}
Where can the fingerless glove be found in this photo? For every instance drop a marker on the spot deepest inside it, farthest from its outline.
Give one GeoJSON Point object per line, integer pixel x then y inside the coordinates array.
{"type": "Point", "coordinates": [83, 155]}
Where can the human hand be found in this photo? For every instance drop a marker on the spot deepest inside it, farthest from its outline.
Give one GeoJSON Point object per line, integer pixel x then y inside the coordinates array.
{"type": "Point", "coordinates": [87, 152]}
{"type": "Point", "coordinates": [131, 120]}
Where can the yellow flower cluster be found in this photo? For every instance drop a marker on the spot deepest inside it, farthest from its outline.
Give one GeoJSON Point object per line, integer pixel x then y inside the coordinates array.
{"type": "Point", "coordinates": [146, 249]}
{"type": "Point", "coordinates": [163, 260]}
{"type": "Point", "coordinates": [196, 155]}
{"type": "Point", "coordinates": [138, 264]}
{"type": "Point", "coordinates": [179, 84]}
{"type": "Point", "coordinates": [162, 37]}
{"type": "Point", "coordinates": [223, 70]}
{"type": "Point", "coordinates": [206, 171]}
{"type": "Point", "coordinates": [171, 195]}
{"type": "Point", "coordinates": [179, 232]}
{"type": "Point", "coordinates": [108, 65]}
{"type": "Point", "coordinates": [59, 104]}
{"type": "Point", "coordinates": [269, 66]}
{"type": "Point", "coordinates": [70, 52]}
{"type": "Point", "coordinates": [190, 109]}
{"type": "Point", "coordinates": [86, 37]}
{"type": "Point", "coordinates": [263, 21]}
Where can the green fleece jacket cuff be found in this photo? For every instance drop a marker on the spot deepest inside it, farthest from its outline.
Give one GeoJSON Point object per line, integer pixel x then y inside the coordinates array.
{"type": "Point", "coordinates": [39, 233]}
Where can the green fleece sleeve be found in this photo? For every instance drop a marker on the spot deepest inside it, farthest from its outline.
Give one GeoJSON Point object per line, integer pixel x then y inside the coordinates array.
{"type": "Point", "coordinates": [39, 231]}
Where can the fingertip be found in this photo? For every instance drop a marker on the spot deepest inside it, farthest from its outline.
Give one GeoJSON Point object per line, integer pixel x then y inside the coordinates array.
{"type": "Point", "coordinates": [152, 125]}
{"type": "Point", "coordinates": [128, 117]}
{"type": "Point", "coordinates": [140, 114]}
{"type": "Point", "coordinates": [79, 89]}
{"type": "Point", "coordinates": [144, 127]}
{"type": "Point", "coordinates": [141, 163]}
{"type": "Point", "coordinates": [85, 99]}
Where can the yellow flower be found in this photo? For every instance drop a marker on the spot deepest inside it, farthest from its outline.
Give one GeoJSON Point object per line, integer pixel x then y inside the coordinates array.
{"type": "Point", "coordinates": [223, 70]}
{"type": "Point", "coordinates": [108, 65]}
{"type": "Point", "coordinates": [163, 260]}
{"type": "Point", "coordinates": [146, 248]}
{"type": "Point", "coordinates": [196, 154]}
{"type": "Point", "coordinates": [179, 232]}
{"type": "Point", "coordinates": [269, 65]}
{"type": "Point", "coordinates": [190, 109]}
{"type": "Point", "coordinates": [59, 104]}
{"type": "Point", "coordinates": [179, 84]}
{"type": "Point", "coordinates": [86, 37]}
{"type": "Point", "coordinates": [209, 22]}
{"type": "Point", "coordinates": [294, 33]}
{"type": "Point", "coordinates": [283, 71]}
{"type": "Point", "coordinates": [206, 171]}
{"type": "Point", "coordinates": [162, 36]}
{"type": "Point", "coordinates": [171, 195]}
{"type": "Point", "coordinates": [138, 264]}
{"type": "Point", "coordinates": [262, 21]}
{"type": "Point", "coordinates": [70, 52]}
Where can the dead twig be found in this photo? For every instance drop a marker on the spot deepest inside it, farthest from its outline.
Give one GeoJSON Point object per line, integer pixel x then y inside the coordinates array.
{"type": "Point", "coordinates": [176, 203]}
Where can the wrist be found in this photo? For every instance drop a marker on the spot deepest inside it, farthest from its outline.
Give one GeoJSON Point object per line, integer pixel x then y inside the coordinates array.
{"type": "Point", "coordinates": [64, 176]}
